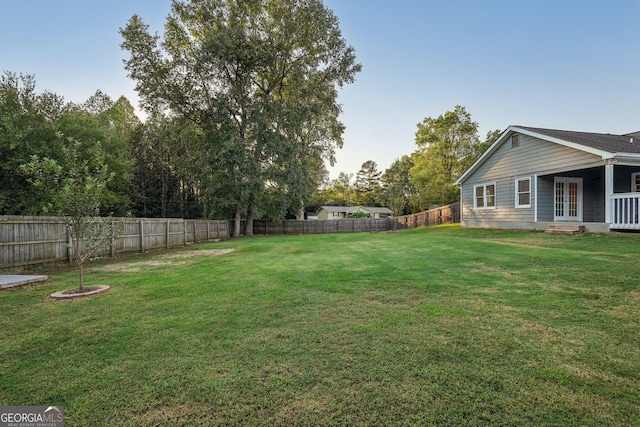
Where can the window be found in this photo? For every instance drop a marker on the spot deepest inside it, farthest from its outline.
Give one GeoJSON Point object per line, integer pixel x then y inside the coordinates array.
{"type": "Point", "coordinates": [515, 140]}
{"type": "Point", "coordinates": [484, 196]}
{"type": "Point", "coordinates": [635, 182]}
{"type": "Point", "coordinates": [523, 192]}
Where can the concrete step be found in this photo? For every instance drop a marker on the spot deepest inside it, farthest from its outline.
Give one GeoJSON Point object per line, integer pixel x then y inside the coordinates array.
{"type": "Point", "coordinates": [565, 229]}
{"type": "Point", "coordinates": [11, 280]}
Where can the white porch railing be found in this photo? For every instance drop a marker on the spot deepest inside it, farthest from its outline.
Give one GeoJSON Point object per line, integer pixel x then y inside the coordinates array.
{"type": "Point", "coordinates": [626, 211]}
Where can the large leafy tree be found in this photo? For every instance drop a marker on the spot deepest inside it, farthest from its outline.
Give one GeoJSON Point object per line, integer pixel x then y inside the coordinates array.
{"type": "Point", "coordinates": [101, 120]}
{"type": "Point", "coordinates": [260, 78]}
{"type": "Point", "coordinates": [491, 137]}
{"type": "Point", "coordinates": [398, 190]}
{"type": "Point", "coordinates": [447, 145]}
{"type": "Point", "coordinates": [340, 192]}
{"type": "Point", "coordinates": [164, 181]}
{"type": "Point", "coordinates": [27, 127]}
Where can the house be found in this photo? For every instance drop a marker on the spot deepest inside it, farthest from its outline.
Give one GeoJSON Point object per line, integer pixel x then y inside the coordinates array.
{"type": "Point", "coordinates": [532, 178]}
{"type": "Point", "coordinates": [343, 212]}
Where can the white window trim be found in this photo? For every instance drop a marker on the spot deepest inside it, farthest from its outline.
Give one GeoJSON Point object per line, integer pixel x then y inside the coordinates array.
{"type": "Point", "coordinates": [517, 193]}
{"type": "Point", "coordinates": [633, 182]}
{"type": "Point", "coordinates": [484, 196]}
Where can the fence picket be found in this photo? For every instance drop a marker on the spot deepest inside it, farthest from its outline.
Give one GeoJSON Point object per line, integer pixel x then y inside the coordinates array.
{"type": "Point", "coordinates": [449, 214]}
{"type": "Point", "coordinates": [27, 241]}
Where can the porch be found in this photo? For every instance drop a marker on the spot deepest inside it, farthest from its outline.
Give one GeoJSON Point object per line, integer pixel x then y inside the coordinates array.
{"type": "Point", "coordinates": [601, 198]}
{"type": "Point", "coordinates": [625, 209]}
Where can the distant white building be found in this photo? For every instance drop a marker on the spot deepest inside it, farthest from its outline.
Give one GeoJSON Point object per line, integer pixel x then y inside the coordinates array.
{"type": "Point", "coordinates": [344, 212]}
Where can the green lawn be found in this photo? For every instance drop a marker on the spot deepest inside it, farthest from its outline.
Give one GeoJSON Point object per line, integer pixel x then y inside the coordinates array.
{"type": "Point", "coordinates": [440, 326]}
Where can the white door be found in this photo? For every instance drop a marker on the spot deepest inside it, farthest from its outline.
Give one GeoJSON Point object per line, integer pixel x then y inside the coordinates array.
{"type": "Point", "coordinates": [568, 199]}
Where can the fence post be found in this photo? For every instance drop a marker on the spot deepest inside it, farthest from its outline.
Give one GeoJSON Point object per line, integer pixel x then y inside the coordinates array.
{"type": "Point", "coordinates": [195, 231]}
{"type": "Point", "coordinates": [184, 232]}
{"type": "Point", "coordinates": [112, 240]}
{"type": "Point", "coordinates": [168, 227]}
{"type": "Point", "coordinates": [141, 236]}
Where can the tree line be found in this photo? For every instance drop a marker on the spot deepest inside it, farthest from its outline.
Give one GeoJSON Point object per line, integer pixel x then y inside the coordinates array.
{"type": "Point", "coordinates": [242, 115]}
{"type": "Point", "coordinates": [446, 146]}
{"type": "Point", "coordinates": [148, 162]}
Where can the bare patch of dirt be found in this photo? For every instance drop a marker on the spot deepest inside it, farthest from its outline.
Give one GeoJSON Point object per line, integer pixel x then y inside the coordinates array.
{"type": "Point", "coordinates": [173, 259]}
{"type": "Point", "coordinates": [192, 253]}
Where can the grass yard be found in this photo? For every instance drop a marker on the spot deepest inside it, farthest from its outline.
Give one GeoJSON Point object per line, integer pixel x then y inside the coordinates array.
{"type": "Point", "coordinates": [439, 326]}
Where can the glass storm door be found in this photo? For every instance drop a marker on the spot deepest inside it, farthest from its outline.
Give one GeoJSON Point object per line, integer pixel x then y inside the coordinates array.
{"type": "Point", "coordinates": [568, 199]}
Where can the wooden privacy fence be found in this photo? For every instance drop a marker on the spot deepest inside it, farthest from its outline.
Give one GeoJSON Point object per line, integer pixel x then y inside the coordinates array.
{"type": "Point", "coordinates": [292, 226]}
{"type": "Point", "coordinates": [26, 241]}
{"type": "Point", "coordinates": [449, 214]}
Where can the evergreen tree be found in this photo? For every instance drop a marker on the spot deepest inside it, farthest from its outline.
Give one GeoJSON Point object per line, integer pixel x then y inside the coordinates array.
{"type": "Point", "coordinates": [368, 184]}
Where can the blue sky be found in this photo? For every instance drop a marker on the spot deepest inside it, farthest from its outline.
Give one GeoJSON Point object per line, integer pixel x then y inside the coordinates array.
{"type": "Point", "coordinates": [562, 64]}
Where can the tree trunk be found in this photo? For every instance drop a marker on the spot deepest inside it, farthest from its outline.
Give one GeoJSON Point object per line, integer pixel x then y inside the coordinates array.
{"type": "Point", "coordinates": [76, 242]}
{"type": "Point", "coordinates": [236, 224]}
{"type": "Point", "coordinates": [248, 230]}
{"type": "Point", "coordinates": [81, 276]}
{"type": "Point", "coordinates": [300, 215]}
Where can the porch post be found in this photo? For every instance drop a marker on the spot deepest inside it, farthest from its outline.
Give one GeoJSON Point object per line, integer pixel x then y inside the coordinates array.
{"type": "Point", "coordinates": [608, 191]}
{"type": "Point", "coordinates": [535, 198]}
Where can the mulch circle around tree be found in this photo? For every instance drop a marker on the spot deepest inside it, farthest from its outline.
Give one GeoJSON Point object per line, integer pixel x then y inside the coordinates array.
{"type": "Point", "coordinates": [77, 293]}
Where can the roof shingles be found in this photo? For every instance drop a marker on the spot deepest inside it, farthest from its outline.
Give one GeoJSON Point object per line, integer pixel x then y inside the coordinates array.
{"type": "Point", "coordinates": [600, 141]}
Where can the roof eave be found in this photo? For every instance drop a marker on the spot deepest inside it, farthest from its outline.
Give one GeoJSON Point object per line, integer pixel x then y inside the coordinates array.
{"type": "Point", "coordinates": [484, 156]}
{"type": "Point", "coordinates": [626, 157]}
{"type": "Point", "coordinates": [603, 154]}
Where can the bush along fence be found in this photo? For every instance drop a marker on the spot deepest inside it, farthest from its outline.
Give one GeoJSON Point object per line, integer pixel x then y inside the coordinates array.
{"type": "Point", "coordinates": [29, 241]}
{"type": "Point", "coordinates": [449, 214]}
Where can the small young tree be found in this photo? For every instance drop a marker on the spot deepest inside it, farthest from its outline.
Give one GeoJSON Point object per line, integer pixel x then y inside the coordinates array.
{"type": "Point", "coordinates": [77, 186]}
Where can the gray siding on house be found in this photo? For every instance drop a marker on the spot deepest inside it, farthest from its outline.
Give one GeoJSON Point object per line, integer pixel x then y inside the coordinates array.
{"type": "Point", "coordinates": [545, 198]}
{"type": "Point", "coordinates": [593, 195]}
{"type": "Point", "coordinates": [504, 212]}
{"type": "Point", "coordinates": [622, 178]}
{"type": "Point", "coordinates": [532, 157]}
